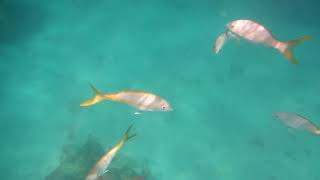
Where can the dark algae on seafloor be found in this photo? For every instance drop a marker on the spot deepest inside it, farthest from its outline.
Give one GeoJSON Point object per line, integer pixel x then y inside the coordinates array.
{"type": "Point", "coordinates": [76, 161]}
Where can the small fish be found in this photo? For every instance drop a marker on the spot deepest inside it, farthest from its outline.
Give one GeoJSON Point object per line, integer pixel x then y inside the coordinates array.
{"type": "Point", "coordinates": [220, 41]}
{"type": "Point", "coordinates": [141, 100]}
{"type": "Point", "coordinates": [255, 32]}
{"type": "Point", "coordinates": [101, 166]}
{"type": "Point", "coordinates": [296, 121]}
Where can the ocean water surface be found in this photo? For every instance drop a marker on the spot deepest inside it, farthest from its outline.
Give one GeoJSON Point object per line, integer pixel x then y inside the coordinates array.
{"type": "Point", "coordinates": [221, 127]}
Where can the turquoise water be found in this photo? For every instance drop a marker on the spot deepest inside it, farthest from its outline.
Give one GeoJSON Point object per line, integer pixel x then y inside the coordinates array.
{"type": "Point", "coordinates": [221, 127]}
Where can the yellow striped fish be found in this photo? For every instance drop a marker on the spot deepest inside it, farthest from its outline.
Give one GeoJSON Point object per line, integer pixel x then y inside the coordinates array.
{"type": "Point", "coordinates": [141, 100]}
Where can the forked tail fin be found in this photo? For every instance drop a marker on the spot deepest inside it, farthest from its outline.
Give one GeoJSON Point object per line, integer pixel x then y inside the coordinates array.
{"type": "Point", "coordinates": [124, 139]}
{"type": "Point", "coordinates": [287, 50]}
{"type": "Point", "coordinates": [98, 97]}
{"type": "Point", "coordinates": [127, 135]}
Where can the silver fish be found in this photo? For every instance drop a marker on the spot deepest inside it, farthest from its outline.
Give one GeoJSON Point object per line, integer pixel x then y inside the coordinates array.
{"type": "Point", "coordinates": [102, 165]}
{"type": "Point", "coordinates": [256, 32]}
{"type": "Point", "coordinates": [141, 100]}
{"type": "Point", "coordinates": [296, 121]}
{"type": "Point", "coordinates": [220, 41]}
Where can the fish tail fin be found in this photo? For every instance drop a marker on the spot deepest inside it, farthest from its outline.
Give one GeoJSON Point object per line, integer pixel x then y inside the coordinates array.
{"type": "Point", "coordinates": [127, 136]}
{"type": "Point", "coordinates": [299, 40]}
{"type": "Point", "coordinates": [287, 50]}
{"type": "Point", "coordinates": [98, 97]}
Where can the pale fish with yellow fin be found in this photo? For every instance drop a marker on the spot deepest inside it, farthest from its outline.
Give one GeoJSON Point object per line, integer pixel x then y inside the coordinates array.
{"type": "Point", "coordinates": [141, 100]}
{"type": "Point", "coordinates": [257, 33]}
{"type": "Point", "coordinates": [102, 165]}
{"type": "Point", "coordinates": [296, 121]}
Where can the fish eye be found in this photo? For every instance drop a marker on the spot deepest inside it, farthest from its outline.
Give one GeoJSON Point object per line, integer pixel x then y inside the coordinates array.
{"type": "Point", "coordinates": [163, 107]}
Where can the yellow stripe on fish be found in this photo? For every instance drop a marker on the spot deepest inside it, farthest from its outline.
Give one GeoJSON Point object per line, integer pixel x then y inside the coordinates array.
{"type": "Point", "coordinates": [141, 100]}
{"type": "Point", "coordinates": [256, 32]}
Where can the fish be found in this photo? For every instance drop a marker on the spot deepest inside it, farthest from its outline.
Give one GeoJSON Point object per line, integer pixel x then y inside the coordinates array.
{"type": "Point", "coordinates": [102, 165]}
{"type": "Point", "coordinates": [296, 121]}
{"type": "Point", "coordinates": [220, 41]}
{"type": "Point", "coordinates": [257, 33]}
{"type": "Point", "coordinates": [141, 100]}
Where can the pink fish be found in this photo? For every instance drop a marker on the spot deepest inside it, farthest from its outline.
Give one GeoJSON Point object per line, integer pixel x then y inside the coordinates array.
{"type": "Point", "coordinates": [141, 100]}
{"type": "Point", "coordinates": [255, 32]}
{"type": "Point", "coordinates": [221, 40]}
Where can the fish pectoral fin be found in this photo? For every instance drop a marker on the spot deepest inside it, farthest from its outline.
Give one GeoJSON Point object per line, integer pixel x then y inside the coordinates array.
{"type": "Point", "coordinates": [231, 35]}
{"type": "Point", "coordinates": [238, 40]}
{"type": "Point", "coordinates": [107, 170]}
